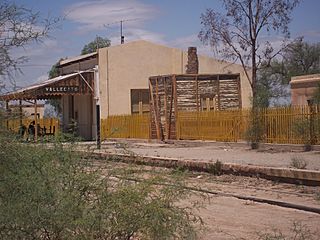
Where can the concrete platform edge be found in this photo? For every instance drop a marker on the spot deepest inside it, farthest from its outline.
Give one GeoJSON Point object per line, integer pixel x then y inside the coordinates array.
{"type": "Point", "coordinates": [296, 176]}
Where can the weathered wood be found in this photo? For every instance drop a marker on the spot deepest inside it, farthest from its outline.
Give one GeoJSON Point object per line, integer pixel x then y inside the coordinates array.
{"type": "Point", "coordinates": [155, 118]}
{"type": "Point", "coordinates": [191, 92]}
{"type": "Point", "coordinates": [218, 91]}
{"type": "Point", "coordinates": [165, 109]}
{"type": "Point", "coordinates": [239, 92]}
{"type": "Point", "coordinates": [36, 121]}
{"type": "Point", "coordinates": [170, 111]}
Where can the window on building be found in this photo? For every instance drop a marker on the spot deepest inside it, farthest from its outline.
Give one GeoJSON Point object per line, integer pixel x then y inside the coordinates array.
{"type": "Point", "coordinates": [140, 101]}
{"type": "Point", "coordinates": [208, 102]}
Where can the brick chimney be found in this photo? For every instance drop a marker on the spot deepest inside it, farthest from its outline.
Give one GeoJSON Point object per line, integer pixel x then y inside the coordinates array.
{"type": "Point", "coordinates": [192, 66]}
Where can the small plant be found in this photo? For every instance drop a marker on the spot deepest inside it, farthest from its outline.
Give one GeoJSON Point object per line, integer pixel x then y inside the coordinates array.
{"type": "Point", "coordinates": [298, 231]}
{"type": "Point", "coordinates": [317, 195]}
{"type": "Point", "coordinates": [216, 168]}
{"type": "Point", "coordinates": [298, 162]}
{"type": "Point", "coordinates": [301, 129]}
{"type": "Point", "coordinates": [255, 131]}
{"type": "Point", "coordinates": [275, 234]}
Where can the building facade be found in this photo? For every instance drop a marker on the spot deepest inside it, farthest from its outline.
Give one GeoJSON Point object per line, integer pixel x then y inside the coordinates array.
{"type": "Point", "coordinates": [116, 79]}
{"type": "Point", "coordinates": [303, 88]}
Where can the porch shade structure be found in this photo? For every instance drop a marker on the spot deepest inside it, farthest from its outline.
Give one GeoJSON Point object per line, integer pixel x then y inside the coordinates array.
{"type": "Point", "coordinates": [78, 83]}
{"type": "Point", "coordinates": [71, 84]}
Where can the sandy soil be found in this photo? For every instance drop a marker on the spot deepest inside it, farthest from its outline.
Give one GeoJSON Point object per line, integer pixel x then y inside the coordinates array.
{"type": "Point", "coordinates": [228, 217]}
{"type": "Point", "coordinates": [232, 218]}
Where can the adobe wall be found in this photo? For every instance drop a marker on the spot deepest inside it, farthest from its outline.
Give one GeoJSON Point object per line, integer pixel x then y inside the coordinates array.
{"type": "Point", "coordinates": [130, 65]}
{"type": "Point", "coordinates": [303, 88]}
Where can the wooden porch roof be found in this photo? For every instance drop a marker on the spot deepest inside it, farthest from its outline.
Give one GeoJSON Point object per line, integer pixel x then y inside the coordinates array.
{"type": "Point", "coordinates": [79, 83]}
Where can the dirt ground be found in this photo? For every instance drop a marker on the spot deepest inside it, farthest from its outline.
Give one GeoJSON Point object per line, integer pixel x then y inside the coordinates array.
{"type": "Point", "coordinates": [269, 155]}
{"type": "Point", "coordinates": [227, 217]}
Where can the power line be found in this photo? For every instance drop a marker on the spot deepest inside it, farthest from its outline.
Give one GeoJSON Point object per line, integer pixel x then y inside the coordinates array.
{"type": "Point", "coordinates": [35, 65]}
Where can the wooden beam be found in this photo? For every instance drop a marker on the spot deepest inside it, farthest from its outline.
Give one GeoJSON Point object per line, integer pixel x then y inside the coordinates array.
{"type": "Point", "coordinates": [7, 114]}
{"type": "Point", "coordinates": [174, 82]}
{"type": "Point", "coordinates": [165, 107]}
{"type": "Point", "coordinates": [159, 130]}
{"type": "Point", "coordinates": [197, 93]}
{"type": "Point", "coordinates": [20, 112]}
{"type": "Point", "coordinates": [218, 91]}
{"type": "Point", "coordinates": [35, 121]}
{"type": "Point", "coordinates": [154, 110]}
{"type": "Point", "coordinates": [171, 106]}
{"type": "Point", "coordinates": [239, 91]}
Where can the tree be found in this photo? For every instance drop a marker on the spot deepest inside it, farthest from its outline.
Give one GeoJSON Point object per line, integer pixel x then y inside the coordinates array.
{"type": "Point", "coordinates": [237, 32]}
{"type": "Point", "coordinates": [19, 26]}
{"type": "Point", "coordinates": [300, 58]}
{"type": "Point", "coordinates": [316, 97]}
{"type": "Point", "coordinates": [297, 58]}
{"type": "Point", "coordinates": [55, 102]}
{"type": "Point", "coordinates": [270, 85]}
{"type": "Point", "coordinates": [54, 71]}
{"type": "Point", "coordinates": [92, 46]}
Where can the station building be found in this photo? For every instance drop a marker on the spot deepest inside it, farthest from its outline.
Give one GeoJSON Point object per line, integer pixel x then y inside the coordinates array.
{"type": "Point", "coordinates": [115, 81]}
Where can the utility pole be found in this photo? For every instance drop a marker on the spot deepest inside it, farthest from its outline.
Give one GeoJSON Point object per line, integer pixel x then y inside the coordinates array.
{"type": "Point", "coordinates": [121, 35]}
{"type": "Point", "coordinates": [121, 27]}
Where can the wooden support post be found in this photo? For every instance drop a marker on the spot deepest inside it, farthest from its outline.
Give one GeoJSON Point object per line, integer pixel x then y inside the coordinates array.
{"type": "Point", "coordinates": [158, 112]}
{"type": "Point", "coordinates": [165, 108]}
{"type": "Point", "coordinates": [239, 91]}
{"type": "Point", "coordinates": [171, 106]}
{"type": "Point", "coordinates": [197, 94]}
{"type": "Point", "coordinates": [154, 106]}
{"type": "Point", "coordinates": [174, 82]}
{"type": "Point", "coordinates": [98, 126]}
{"type": "Point", "coordinates": [35, 121]}
{"type": "Point", "coordinates": [7, 115]}
{"type": "Point", "coordinates": [219, 102]}
{"type": "Point", "coordinates": [20, 112]}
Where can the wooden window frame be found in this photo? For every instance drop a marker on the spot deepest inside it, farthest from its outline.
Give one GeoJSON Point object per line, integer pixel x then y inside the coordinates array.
{"type": "Point", "coordinates": [208, 102]}
{"type": "Point", "coordinates": [141, 100]}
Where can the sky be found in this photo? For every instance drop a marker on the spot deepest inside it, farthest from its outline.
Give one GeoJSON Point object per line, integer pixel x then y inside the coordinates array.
{"type": "Point", "coordinates": [173, 23]}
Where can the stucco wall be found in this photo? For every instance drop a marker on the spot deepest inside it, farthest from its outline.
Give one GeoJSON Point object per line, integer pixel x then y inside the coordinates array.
{"type": "Point", "coordinates": [129, 66]}
{"type": "Point", "coordinates": [303, 88]}
{"type": "Point", "coordinates": [83, 114]}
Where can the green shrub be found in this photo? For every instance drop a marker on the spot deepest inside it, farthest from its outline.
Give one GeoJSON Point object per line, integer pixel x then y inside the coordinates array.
{"type": "Point", "coordinates": [298, 162]}
{"type": "Point", "coordinates": [55, 194]}
{"type": "Point", "coordinates": [255, 131]}
{"type": "Point", "coordinates": [298, 231]}
{"type": "Point", "coordinates": [216, 168]}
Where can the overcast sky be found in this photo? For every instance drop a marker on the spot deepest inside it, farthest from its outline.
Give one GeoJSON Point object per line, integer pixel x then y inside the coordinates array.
{"type": "Point", "coordinates": [173, 23]}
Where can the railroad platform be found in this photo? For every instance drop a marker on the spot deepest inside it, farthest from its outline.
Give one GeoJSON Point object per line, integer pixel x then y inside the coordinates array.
{"type": "Point", "coordinates": [287, 163]}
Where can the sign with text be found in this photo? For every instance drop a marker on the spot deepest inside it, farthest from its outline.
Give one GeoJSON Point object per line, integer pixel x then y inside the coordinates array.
{"type": "Point", "coordinates": [62, 89]}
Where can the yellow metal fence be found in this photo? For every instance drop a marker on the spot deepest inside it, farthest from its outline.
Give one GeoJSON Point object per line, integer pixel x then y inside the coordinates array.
{"type": "Point", "coordinates": [279, 125]}
{"type": "Point", "coordinates": [47, 125]}
{"type": "Point", "coordinates": [218, 125]}
{"type": "Point", "coordinates": [126, 126]}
